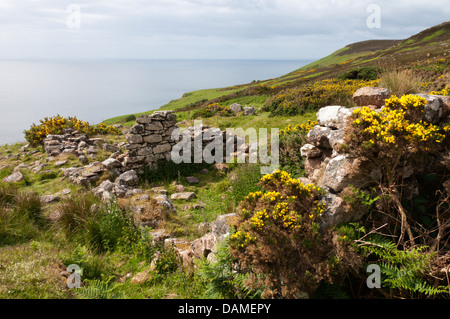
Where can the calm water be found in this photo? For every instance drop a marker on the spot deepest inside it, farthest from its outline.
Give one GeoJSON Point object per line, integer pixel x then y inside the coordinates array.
{"type": "Point", "coordinates": [97, 90]}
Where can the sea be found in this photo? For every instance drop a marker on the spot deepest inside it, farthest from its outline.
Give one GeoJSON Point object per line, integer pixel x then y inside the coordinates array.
{"type": "Point", "coordinates": [96, 90]}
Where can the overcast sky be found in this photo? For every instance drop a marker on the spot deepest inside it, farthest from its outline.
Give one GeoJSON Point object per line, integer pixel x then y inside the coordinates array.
{"type": "Point", "coordinates": [205, 29]}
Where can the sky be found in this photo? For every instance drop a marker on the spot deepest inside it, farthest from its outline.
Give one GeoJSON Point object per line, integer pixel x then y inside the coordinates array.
{"type": "Point", "coordinates": [205, 29]}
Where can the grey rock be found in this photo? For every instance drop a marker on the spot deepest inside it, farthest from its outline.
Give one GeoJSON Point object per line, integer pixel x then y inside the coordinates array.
{"type": "Point", "coordinates": [339, 173]}
{"type": "Point", "coordinates": [137, 129]}
{"type": "Point", "coordinates": [236, 108]}
{"type": "Point", "coordinates": [249, 110]}
{"type": "Point", "coordinates": [192, 180]}
{"type": "Point", "coordinates": [154, 126]}
{"type": "Point", "coordinates": [155, 138]}
{"type": "Point", "coordinates": [165, 201]}
{"type": "Point", "coordinates": [433, 110]}
{"type": "Point", "coordinates": [183, 196]}
{"type": "Point", "coordinates": [129, 178]}
{"type": "Point", "coordinates": [143, 119]}
{"type": "Point", "coordinates": [48, 199]}
{"type": "Point", "coordinates": [162, 148]}
{"type": "Point", "coordinates": [371, 96]}
{"type": "Point", "coordinates": [14, 178]}
{"type": "Point", "coordinates": [111, 163]}
{"type": "Point", "coordinates": [134, 138]}
{"type": "Point", "coordinates": [318, 136]}
{"type": "Point", "coordinates": [311, 151]}
{"type": "Point", "coordinates": [333, 116]}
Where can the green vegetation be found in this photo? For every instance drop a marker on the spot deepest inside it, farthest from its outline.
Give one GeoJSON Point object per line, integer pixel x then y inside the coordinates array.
{"type": "Point", "coordinates": [277, 215]}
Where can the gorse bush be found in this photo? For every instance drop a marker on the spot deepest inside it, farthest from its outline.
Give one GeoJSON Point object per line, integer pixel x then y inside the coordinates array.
{"type": "Point", "coordinates": [278, 239]}
{"type": "Point", "coordinates": [292, 138]}
{"type": "Point", "coordinates": [445, 91]}
{"type": "Point", "coordinates": [312, 96]}
{"type": "Point", "coordinates": [363, 73]}
{"type": "Point", "coordinates": [390, 138]}
{"type": "Point", "coordinates": [56, 124]}
{"type": "Point", "coordinates": [214, 109]}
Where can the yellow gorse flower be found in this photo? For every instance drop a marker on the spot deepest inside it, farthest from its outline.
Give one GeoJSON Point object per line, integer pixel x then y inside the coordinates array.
{"type": "Point", "coordinates": [390, 125]}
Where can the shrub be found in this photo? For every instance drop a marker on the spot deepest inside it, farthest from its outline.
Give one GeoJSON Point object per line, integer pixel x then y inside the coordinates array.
{"type": "Point", "coordinates": [363, 73]}
{"type": "Point", "coordinates": [312, 96]}
{"type": "Point", "coordinates": [129, 118]}
{"type": "Point", "coordinates": [115, 229]}
{"type": "Point", "coordinates": [212, 110]}
{"type": "Point", "coordinates": [278, 238]}
{"type": "Point", "coordinates": [56, 124]}
{"type": "Point", "coordinates": [390, 138]}
{"type": "Point", "coordinates": [291, 141]}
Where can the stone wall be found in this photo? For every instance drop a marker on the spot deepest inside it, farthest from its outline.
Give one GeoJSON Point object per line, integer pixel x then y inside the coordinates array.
{"type": "Point", "coordinates": [150, 140]}
{"type": "Point", "coordinates": [329, 167]}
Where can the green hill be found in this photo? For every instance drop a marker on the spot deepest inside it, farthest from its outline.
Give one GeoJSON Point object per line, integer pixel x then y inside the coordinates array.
{"type": "Point", "coordinates": [416, 51]}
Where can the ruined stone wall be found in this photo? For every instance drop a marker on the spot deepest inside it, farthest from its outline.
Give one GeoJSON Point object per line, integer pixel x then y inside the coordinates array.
{"type": "Point", "coordinates": [327, 165]}
{"type": "Point", "coordinates": [150, 140]}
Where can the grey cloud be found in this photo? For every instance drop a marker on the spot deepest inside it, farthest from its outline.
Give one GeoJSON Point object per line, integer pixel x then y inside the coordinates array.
{"type": "Point", "coordinates": [197, 28]}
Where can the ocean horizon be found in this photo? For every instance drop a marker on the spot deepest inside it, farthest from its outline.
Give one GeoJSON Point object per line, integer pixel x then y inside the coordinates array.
{"type": "Point", "coordinates": [95, 90]}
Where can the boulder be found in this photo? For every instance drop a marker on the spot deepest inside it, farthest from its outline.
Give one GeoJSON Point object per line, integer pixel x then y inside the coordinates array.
{"type": "Point", "coordinates": [236, 108]}
{"type": "Point", "coordinates": [318, 136]}
{"type": "Point", "coordinates": [371, 96]}
{"type": "Point", "coordinates": [15, 177]}
{"type": "Point", "coordinates": [433, 110]}
{"type": "Point", "coordinates": [183, 196]}
{"type": "Point", "coordinates": [337, 211]}
{"type": "Point", "coordinates": [340, 172]}
{"type": "Point", "coordinates": [333, 116]}
{"type": "Point", "coordinates": [249, 110]}
{"type": "Point", "coordinates": [129, 178]}
{"type": "Point", "coordinates": [206, 245]}
{"type": "Point", "coordinates": [165, 201]}
{"type": "Point", "coordinates": [311, 151]}
{"type": "Point", "coordinates": [192, 180]}
{"type": "Point", "coordinates": [48, 199]}
{"type": "Point", "coordinates": [112, 163]}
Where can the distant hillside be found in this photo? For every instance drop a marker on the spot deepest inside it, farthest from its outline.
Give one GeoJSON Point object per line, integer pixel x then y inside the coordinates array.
{"type": "Point", "coordinates": [432, 43]}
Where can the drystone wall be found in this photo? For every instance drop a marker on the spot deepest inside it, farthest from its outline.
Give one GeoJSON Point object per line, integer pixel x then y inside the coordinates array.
{"type": "Point", "coordinates": [327, 165]}
{"type": "Point", "coordinates": [150, 140]}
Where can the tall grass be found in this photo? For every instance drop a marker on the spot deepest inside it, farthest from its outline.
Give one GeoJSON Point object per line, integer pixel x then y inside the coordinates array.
{"type": "Point", "coordinates": [20, 215]}
{"type": "Point", "coordinates": [401, 82]}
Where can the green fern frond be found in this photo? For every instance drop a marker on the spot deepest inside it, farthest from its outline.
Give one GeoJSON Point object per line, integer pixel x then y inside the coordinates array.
{"type": "Point", "coordinates": [98, 289]}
